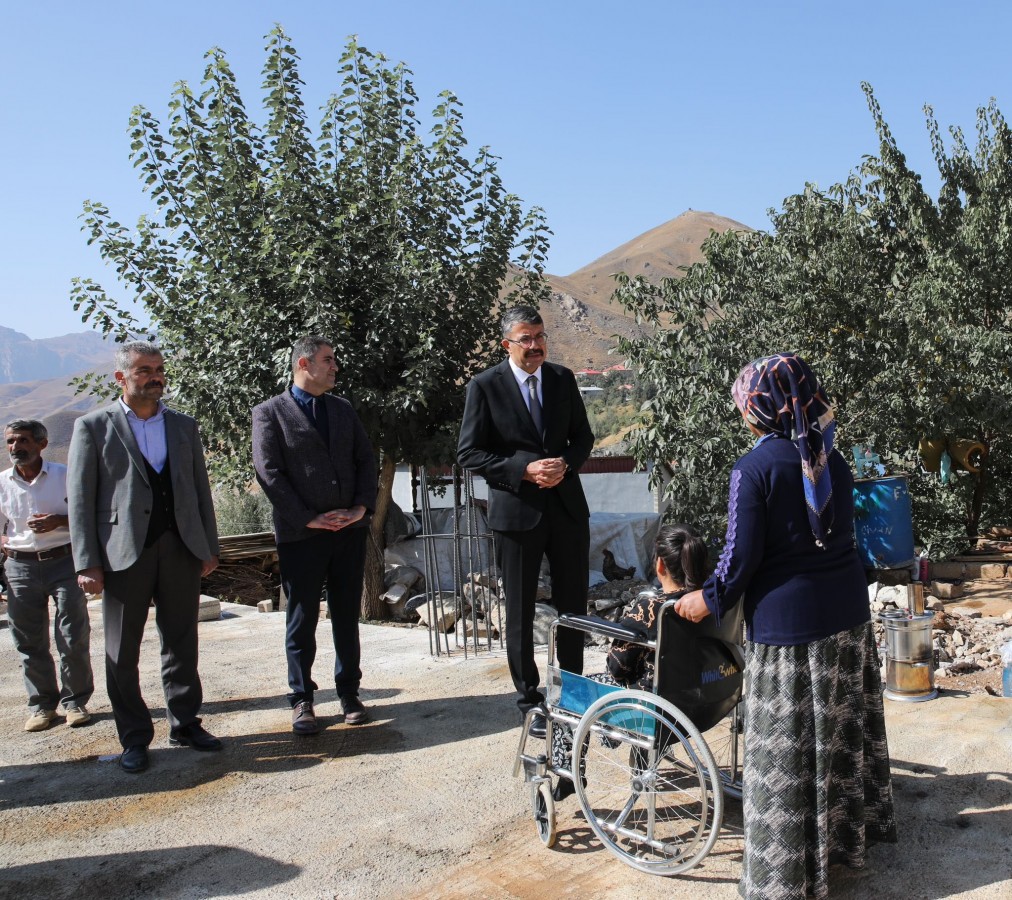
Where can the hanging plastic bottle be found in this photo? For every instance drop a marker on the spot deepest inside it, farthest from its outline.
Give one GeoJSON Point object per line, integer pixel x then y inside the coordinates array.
{"type": "Point", "coordinates": [945, 466]}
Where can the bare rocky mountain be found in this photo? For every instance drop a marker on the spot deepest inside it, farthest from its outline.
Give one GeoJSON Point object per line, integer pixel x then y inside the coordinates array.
{"type": "Point", "coordinates": [35, 380]}
{"type": "Point", "coordinates": [582, 320]}
{"type": "Point", "coordinates": [34, 374]}
{"type": "Point", "coordinates": [24, 359]}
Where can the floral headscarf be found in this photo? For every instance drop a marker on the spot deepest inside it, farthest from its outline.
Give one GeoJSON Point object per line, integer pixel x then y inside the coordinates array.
{"type": "Point", "coordinates": [781, 394]}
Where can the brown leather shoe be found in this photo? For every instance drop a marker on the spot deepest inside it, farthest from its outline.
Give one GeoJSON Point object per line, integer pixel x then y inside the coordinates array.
{"type": "Point", "coordinates": [354, 712]}
{"type": "Point", "coordinates": [304, 719]}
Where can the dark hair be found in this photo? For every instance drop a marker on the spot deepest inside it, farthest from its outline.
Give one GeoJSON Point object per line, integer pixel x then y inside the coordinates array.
{"type": "Point", "coordinates": [685, 555]}
{"type": "Point", "coordinates": [308, 346]}
{"type": "Point", "coordinates": [37, 429]}
{"type": "Point", "coordinates": [516, 315]}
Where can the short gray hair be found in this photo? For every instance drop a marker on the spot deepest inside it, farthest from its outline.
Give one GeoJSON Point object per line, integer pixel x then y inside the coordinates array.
{"type": "Point", "coordinates": [38, 430]}
{"type": "Point", "coordinates": [308, 346]}
{"type": "Point", "coordinates": [126, 352]}
{"type": "Point", "coordinates": [516, 315]}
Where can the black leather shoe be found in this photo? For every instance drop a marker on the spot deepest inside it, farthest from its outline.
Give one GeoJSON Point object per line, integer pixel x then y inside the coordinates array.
{"type": "Point", "coordinates": [563, 788]}
{"type": "Point", "coordinates": [539, 727]}
{"type": "Point", "coordinates": [134, 759]}
{"type": "Point", "coordinates": [195, 736]}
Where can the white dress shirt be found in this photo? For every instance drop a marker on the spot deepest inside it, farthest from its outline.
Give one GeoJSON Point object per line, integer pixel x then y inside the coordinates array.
{"type": "Point", "coordinates": [521, 377]}
{"type": "Point", "coordinates": [19, 499]}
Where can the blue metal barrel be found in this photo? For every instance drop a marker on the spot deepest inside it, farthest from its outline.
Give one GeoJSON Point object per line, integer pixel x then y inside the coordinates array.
{"type": "Point", "coordinates": [883, 522]}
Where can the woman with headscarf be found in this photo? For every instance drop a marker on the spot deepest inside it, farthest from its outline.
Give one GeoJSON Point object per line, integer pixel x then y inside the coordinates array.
{"type": "Point", "coordinates": [816, 765]}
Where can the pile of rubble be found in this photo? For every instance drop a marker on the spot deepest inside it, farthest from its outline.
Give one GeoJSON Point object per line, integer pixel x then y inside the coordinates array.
{"type": "Point", "coordinates": [963, 640]}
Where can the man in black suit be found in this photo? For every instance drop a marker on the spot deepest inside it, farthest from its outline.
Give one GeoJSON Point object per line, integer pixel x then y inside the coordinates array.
{"type": "Point", "coordinates": [525, 429]}
{"type": "Point", "coordinates": [316, 466]}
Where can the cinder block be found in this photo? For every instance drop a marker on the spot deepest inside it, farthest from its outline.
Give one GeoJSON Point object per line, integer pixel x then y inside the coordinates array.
{"type": "Point", "coordinates": [210, 609]}
{"type": "Point", "coordinates": [948, 570]}
{"type": "Point", "coordinates": [947, 590]}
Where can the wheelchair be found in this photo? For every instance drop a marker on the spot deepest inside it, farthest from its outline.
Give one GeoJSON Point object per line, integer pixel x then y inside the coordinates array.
{"type": "Point", "coordinates": [651, 788]}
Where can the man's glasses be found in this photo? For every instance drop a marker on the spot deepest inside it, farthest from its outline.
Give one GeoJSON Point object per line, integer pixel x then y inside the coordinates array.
{"type": "Point", "coordinates": [529, 340]}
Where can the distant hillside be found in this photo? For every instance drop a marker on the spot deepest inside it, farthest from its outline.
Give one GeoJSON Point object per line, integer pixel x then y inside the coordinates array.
{"type": "Point", "coordinates": [23, 359]}
{"type": "Point", "coordinates": [582, 321]}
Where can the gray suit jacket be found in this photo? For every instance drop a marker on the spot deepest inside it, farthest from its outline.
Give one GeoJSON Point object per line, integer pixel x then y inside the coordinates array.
{"type": "Point", "coordinates": [109, 497]}
{"type": "Point", "coordinates": [300, 475]}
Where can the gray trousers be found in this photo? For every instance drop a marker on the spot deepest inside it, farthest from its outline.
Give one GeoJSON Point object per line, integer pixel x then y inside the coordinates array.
{"type": "Point", "coordinates": [168, 573]}
{"type": "Point", "coordinates": [31, 585]}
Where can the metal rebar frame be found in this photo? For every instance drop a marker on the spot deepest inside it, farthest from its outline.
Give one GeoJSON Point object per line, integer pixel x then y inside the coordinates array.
{"type": "Point", "coordinates": [471, 553]}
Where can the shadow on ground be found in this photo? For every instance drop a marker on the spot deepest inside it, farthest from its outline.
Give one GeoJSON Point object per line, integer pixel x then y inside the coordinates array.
{"type": "Point", "coordinates": [199, 870]}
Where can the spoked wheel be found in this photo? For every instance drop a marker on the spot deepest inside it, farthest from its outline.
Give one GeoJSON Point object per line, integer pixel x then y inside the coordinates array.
{"type": "Point", "coordinates": [725, 739]}
{"type": "Point", "coordinates": [651, 789]}
{"type": "Point", "coordinates": [544, 811]}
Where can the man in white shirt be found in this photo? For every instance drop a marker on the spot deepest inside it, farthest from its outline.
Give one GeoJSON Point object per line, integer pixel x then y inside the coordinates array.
{"type": "Point", "coordinates": [33, 511]}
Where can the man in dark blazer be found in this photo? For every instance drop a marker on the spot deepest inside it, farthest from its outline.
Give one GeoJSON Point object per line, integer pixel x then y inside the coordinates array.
{"type": "Point", "coordinates": [142, 526]}
{"type": "Point", "coordinates": [525, 429]}
{"type": "Point", "coordinates": [316, 466]}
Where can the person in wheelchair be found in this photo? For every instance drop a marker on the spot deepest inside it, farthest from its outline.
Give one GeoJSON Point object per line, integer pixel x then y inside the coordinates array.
{"type": "Point", "coordinates": [681, 565]}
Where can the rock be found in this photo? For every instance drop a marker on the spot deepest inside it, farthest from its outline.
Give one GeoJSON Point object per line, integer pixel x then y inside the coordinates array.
{"type": "Point", "coordinates": [965, 612]}
{"type": "Point", "coordinates": [544, 615]}
{"type": "Point", "coordinates": [404, 575]}
{"type": "Point", "coordinates": [476, 595]}
{"type": "Point", "coordinates": [992, 571]}
{"type": "Point", "coordinates": [544, 589]}
{"type": "Point", "coordinates": [957, 638]}
{"type": "Point", "coordinates": [947, 590]}
{"type": "Point", "coordinates": [395, 598]}
{"type": "Point", "coordinates": [442, 618]}
{"type": "Point", "coordinates": [1007, 615]}
{"type": "Point", "coordinates": [933, 603]}
{"type": "Point", "coordinates": [209, 610]}
{"type": "Point", "coordinates": [324, 610]}
{"type": "Point", "coordinates": [896, 595]}
{"type": "Point", "coordinates": [265, 606]}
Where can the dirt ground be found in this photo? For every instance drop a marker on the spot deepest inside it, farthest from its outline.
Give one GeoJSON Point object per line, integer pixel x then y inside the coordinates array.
{"type": "Point", "coordinates": [421, 801]}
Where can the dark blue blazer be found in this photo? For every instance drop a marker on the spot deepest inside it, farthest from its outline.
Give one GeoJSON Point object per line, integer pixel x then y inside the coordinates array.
{"type": "Point", "coordinates": [300, 475]}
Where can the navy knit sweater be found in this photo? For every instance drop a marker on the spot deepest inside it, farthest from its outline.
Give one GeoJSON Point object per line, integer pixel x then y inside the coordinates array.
{"type": "Point", "coordinates": [794, 591]}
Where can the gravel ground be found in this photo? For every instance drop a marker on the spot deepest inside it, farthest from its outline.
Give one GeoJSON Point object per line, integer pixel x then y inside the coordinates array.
{"type": "Point", "coordinates": [420, 802]}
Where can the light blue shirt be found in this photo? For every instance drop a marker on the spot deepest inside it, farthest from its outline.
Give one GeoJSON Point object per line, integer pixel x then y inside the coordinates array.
{"type": "Point", "coordinates": [521, 377]}
{"type": "Point", "coordinates": [150, 435]}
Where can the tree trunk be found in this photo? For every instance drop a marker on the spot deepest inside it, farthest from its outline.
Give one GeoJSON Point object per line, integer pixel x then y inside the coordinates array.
{"type": "Point", "coordinates": [373, 606]}
{"type": "Point", "coordinates": [977, 501]}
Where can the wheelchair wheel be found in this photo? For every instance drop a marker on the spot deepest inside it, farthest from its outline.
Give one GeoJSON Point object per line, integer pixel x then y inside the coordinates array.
{"type": "Point", "coordinates": [726, 742]}
{"type": "Point", "coordinates": [544, 811]}
{"type": "Point", "coordinates": [651, 789]}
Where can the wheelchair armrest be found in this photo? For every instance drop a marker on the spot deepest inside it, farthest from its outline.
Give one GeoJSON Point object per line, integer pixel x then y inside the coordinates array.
{"type": "Point", "coordinates": [597, 625]}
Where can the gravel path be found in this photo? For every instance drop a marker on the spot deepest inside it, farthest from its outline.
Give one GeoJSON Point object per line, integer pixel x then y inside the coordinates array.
{"type": "Point", "coordinates": [420, 802]}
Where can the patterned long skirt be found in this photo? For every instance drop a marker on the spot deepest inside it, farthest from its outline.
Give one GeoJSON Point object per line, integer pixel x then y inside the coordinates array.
{"type": "Point", "coordinates": [816, 769]}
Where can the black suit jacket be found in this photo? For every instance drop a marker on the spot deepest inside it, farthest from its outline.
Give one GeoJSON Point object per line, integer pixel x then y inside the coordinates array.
{"type": "Point", "coordinates": [300, 475]}
{"type": "Point", "coordinates": [498, 440]}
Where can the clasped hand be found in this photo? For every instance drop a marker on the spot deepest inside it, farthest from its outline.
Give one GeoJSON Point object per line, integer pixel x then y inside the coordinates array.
{"type": "Point", "coordinates": [337, 519]}
{"type": "Point", "coordinates": [546, 473]}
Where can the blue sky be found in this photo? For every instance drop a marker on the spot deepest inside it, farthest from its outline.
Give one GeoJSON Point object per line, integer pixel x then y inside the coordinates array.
{"type": "Point", "coordinates": [614, 117]}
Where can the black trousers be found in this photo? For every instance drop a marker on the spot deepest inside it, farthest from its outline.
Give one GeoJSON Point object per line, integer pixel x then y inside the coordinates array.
{"type": "Point", "coordinates": [335, 559]}
{"type": "Point", "coordinates": [169, 573]}
{"type": "Point", "coordinates": [565, 542]}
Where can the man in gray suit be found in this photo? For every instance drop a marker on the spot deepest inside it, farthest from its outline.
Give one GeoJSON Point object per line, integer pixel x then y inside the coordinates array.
{"type": "Point", "coordinates": [142, 526]}
{"type": "Point", "coordinates": [316, 466]}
